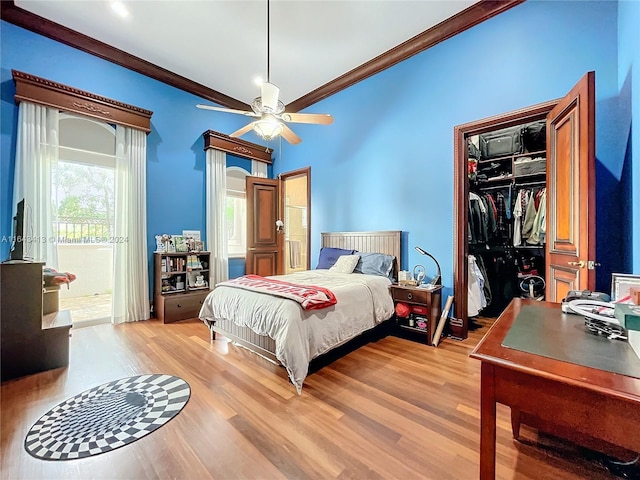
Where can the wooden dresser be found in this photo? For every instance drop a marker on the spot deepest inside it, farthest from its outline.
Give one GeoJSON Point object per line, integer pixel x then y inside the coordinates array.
{"type": "Point", "coordinates": [34, 334]}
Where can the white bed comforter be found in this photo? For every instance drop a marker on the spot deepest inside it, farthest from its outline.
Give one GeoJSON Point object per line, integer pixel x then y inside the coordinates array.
{"type": "Point", "coordinates": [301, 335]}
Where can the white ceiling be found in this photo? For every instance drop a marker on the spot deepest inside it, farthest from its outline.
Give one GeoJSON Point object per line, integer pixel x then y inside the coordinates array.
{"type": "Point", "coordinates": [222, 44]}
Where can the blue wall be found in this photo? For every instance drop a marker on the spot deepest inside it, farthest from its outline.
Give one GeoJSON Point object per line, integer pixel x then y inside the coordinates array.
{"type": "Point", "coordinates": [629, 85]}
{"type": "Point", "coordinates": [387, 160]}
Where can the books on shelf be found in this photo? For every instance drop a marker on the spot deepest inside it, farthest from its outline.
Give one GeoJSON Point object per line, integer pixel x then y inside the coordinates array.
{"type": "Point", "coordinates": [183, 263]}
{"type": "Point", "coordinates": [171, 264]}
{"type": "Point", "coordinates": [193, 262]}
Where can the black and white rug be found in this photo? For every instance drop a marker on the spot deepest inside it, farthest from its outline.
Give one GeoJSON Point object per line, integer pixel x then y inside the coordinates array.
{"type": "Point", "coordinates": [107, 417]}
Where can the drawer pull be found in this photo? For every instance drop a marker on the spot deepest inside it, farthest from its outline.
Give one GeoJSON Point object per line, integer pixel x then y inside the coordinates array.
{"type": "Point", "coordinates": [179, 306]}
{"type": "Point", "coordinates": [409, 295]}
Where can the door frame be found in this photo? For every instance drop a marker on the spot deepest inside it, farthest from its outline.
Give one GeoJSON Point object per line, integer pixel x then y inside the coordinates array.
{"type": "Point", "coordinates": [305, 171]}
{"type": "Point", "coordinates": [459, 326]}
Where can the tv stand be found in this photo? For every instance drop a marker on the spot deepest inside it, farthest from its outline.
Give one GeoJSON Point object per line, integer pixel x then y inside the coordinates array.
{"type": "Point", "coordinates": [34, 333]}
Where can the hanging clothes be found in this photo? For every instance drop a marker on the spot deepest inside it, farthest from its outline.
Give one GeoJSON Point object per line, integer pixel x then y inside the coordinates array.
{"type": "Point", "coordinates": [519, 210]}
{"type": "Point", "coordinates": [476, 300]}
{"type": "Point", "coordinates": [529, 216]}
{"type": "Point", "coordinates": [486, 289]}
{"type": "Point", "coordinates": [539, 226]}
{"type": "Point", "coordinates": [504, 223]}
{"type": "Point", "coordinates": [478, 221]}
{"type": "Point", "coordinates": [502, 219]}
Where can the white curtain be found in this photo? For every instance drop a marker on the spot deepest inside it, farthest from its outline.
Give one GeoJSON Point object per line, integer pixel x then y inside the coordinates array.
{"type": "Point", "coordinates": [36, 157]}
{"type": "Point", "coordinates": [258, 169]}
{"type": "Point", "coordinates": [130, 299]}
{"type": "Point", "coordinates": [215, 212]}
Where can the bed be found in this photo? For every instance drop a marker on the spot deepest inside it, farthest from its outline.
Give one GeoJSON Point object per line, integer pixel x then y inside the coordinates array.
{"type": "Point", "coordinates": [282, 331]}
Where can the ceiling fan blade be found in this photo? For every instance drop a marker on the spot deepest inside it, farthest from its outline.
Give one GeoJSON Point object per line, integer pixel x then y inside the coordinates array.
{"type": "Point", "coordinates": [242, 130]}
{"type": "Point", "coordinates": [317, 118]}
{"type": "Point", "coordinates": [227, 110]}
{"type": "Point", "coordinates": [289, 136]}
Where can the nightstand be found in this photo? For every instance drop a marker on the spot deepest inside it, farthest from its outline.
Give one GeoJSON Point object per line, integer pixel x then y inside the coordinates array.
{"type": "Point", "coordinates": [426, 307]}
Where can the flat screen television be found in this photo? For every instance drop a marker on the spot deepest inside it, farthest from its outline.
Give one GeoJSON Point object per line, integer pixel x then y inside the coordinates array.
{"type": "Point", "coordinates": [17, 247]}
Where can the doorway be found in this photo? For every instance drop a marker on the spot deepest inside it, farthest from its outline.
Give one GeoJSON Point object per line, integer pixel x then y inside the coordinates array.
{"type": "Point", "coordinates": [83, 185]}
{"type": "Point", "coordinates": [278, 234]}
{"type": "Point", "coordinates": [295, 192]}
{"type": "Point", "coordinates": [570, 185]}
{"type": "Point", "coordinates": [462, 135]}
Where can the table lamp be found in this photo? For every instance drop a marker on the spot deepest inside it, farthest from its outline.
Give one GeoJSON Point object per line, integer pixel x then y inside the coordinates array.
{"type": "Point", "coordinates": [437, 279]}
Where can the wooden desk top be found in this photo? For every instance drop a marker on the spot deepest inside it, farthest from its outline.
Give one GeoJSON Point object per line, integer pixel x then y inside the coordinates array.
{"type": "Point", "coordinates": [490, 350]}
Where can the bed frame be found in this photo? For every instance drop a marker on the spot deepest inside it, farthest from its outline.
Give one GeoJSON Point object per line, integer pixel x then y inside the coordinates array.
{"type": "Point", "coordinates": [387, 242]}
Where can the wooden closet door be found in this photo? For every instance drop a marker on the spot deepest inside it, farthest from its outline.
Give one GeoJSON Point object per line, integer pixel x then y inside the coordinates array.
{"type": "Point", "coordinates": [571, 192]}
{"type": "Point", "coordinates": [264, 243]}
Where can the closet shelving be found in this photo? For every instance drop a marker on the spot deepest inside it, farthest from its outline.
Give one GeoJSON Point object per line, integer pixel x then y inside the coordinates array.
{"type": "Point", "coordinates": [507, 264]}
{"type": "Point", "coordinates": [506, 165]}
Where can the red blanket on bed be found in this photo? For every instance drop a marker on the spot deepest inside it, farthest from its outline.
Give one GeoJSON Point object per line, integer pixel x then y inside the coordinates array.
{"type": "Point", "coordinates": [309, 296]}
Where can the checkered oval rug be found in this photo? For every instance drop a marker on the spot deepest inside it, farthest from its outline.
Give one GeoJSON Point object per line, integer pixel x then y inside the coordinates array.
{"type": "Point", "coordinates": [107, 417]}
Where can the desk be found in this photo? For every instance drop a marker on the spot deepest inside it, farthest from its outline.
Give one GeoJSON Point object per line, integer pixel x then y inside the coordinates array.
{"type": "Point", "coordinates": [568, 398]}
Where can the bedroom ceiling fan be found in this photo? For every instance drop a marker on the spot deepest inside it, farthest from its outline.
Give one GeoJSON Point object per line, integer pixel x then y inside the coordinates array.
{"type": "Point", "coordinates": [269, 111]}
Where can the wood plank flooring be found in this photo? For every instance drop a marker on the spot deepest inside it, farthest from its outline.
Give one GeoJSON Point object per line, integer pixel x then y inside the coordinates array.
{"type": "Point", "coordinates": [392, 409]}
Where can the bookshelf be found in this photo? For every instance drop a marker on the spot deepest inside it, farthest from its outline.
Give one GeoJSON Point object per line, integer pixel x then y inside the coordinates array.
{"type": "Point", "coordinates": [180, 284]}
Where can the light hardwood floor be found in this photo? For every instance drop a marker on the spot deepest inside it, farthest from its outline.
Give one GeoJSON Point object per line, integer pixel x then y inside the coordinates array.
{"type": "Point", "coordinates": [392, 409]}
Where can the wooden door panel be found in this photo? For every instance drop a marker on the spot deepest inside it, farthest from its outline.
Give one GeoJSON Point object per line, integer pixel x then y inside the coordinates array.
{"type": "Point", "coordinates": [264, 263]}
{"type": "Point", "coordinates": [265, 208]}
{"type": "Point", "coordinates": [571, 191]}
{"type": "Point", "coordinates": [561, 171]}
{"type": "Point", "coordinates": [264, 246]}
{"type": "Point", "coordinates": [560, 280]}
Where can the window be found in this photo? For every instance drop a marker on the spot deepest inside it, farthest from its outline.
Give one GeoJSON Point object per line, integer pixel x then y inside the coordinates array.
{"type": "Point", "coordinates": [236, 212]}
{"type": "Point", "coordinates": [83, 188]}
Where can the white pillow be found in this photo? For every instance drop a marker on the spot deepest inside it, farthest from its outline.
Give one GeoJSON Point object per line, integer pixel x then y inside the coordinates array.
{"type": "Point", "coordinates": [345, 263]}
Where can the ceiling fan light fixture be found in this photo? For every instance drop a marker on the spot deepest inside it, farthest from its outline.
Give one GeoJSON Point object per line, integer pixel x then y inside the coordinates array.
{"type": "Point", "coordinates": [268, 128]}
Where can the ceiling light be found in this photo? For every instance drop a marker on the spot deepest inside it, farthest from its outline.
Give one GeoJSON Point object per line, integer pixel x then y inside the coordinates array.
{"type": "Point", "coordinates": [268, 127]}
{"type": "Point", "coordinates": [120, 9]}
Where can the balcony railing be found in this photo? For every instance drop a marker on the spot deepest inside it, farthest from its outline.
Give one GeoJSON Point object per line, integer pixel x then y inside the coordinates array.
{"type": "Point", "coordinates": [83, 230]}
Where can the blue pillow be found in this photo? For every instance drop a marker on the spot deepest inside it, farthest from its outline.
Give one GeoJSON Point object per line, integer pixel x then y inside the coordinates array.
{"type": "Point", "coordinates": [375, 264]}
{"type": "Point", "coordinates": [329, 256]}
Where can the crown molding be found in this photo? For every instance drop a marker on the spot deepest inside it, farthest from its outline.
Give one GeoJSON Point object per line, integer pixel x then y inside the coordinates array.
{"type": "Point", "coordinates": [473, 15]}
{"type": "Point", "coordinates": [236, 146]}
{"type": "Point", "coordinates": [40, 25]}
{"type": "Point", "coordinates": [69, 99]}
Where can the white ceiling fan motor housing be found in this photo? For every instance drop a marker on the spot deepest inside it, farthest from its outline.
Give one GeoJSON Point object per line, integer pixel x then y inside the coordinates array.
{"type": "Point", "coordinates": [270, 95]}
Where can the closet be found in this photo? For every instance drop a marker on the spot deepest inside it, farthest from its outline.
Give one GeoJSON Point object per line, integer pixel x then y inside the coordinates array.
{"type": "Point", "coordinates": [507, 216]}
{"type": "Point", "coordinates": [565, 257]}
